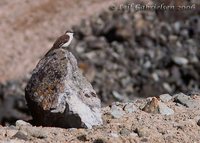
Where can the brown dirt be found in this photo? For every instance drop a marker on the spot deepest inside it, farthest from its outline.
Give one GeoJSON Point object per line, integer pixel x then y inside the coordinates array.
{"type": "Point", "coordinates": [136, 127]}
{"type": "Point", "coordinates": [28, 29]}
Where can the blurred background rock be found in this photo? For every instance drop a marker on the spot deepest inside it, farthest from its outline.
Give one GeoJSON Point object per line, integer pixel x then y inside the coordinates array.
{"type": "Point", "coordinates": [125, 54]}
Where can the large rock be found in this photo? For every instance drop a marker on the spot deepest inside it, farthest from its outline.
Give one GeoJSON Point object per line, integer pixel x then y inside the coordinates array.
{"type": "Point", "coordinates": [58, 94]}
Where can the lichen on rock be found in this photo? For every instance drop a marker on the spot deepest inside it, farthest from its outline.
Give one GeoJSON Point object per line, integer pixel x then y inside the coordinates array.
{"type": "Point", "coordinates": [59, 95]}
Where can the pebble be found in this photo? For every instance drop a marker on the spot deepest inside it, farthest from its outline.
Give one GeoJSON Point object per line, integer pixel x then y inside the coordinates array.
{"type": "Point", "coordinates": [37, 132]}
{"type": "Point", "coordinates": [114, 135]}
{"type": "Point", "coordinates": [151, 106]}
{"type": "Point", "coordinates": [21, 135]}
{"type": "Point", "coordinates": [164, 110]}
{"type": "Point", "coordinates": [167, 87]}
{"type": "Point", "coordinates": [125, 132]}
{"type": "Point", "coordinates": [198, 122]}
{"type": "Point", "coordinates": [142, 132]}
{"type": "Point", "coordinates": [180, 60]}
{"type": "Point", "coordinates": [130, 108]}
{"type": "Point", "coordinates": [186, 100]}
{"type": "Point", "coordinates": [165, 97]}
{"type": "Point", "coordinates": [177, 26]}
{"type": "Point", "coordinates": [11, 132]}
{"type": "Point", "coordinates": [116, 111]}
{"type": "Point", "coordinates": [156, 106]}
{"type": "Point", "coordinates": [117, 96]}
{"type": "Point", "coordinates": [20, 123]}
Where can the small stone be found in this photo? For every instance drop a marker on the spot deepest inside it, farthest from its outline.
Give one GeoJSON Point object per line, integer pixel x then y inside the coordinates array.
{"type": "Point", "coordinates": [36, 132]}
{"type": "Point", "coordinates": [155, 106]}
{"type": "Point", "coordinates": [114, 135]}
{"type": "Point", "coordinates": [167, 87]}
{"type": "Point", "coordinates": [164, 110]}
{"type": "Point", "coordinates": [134, 134]}
{"type": "Point", "coordinates": [72, 129]}
{"type": "Point", "coordinates": [117, 96]}
{"type": "Point", "coordinates": [3, 132]}
{"type": "Point", "coordinates": [99, 141]}
{"type": "Point", "coordinates": [83, 138]}
{"type": "Point", "coordinates": [11, 132]}
{"type": "Point", "coordinates": [165, 97]}
{"type": "Point", "coordinates": [20, 123]}
{"type": "Point", "coordinates": [198, 122]}
{"type": "Point", "coordinates": [186, 100]}
{"type": "Point", "coordinates": [21, 135]}
{"type": "Point", "coordinates": [177, 26]}
{"type": "Point", "coordinates": [180, 60]}
{"type": "Point", "coordinates": [144, 140]}
{"type": "Point", "coordinates": [95, 44]}
{"type": "Point", "coordinates": [152, 106]}
{"type": "Point", "coordinates": [125, 132]}
{"type": "Point", "coordinates": [142, 132]}
{"type": "Point", "coordinates": [116, 111]}
{"type": "Point", "coordinates": [130, 108]}
{"type": "Point", "coordinates": [155, 77]}
{"type": "Point", "coordinates": [173, 38]}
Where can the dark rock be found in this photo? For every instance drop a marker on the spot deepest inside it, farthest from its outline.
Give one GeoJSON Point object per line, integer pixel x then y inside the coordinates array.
{"type": "Point", "coordinates": [99, 141]}
{"type": "Point", "coordinates": [12, 101]}
{"type": "Point", "coordinates": [198, 122]}
{"type": "Point", "coordinates": [83, 138]}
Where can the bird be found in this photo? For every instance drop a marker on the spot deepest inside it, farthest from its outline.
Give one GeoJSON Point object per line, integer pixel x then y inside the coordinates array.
{"type": "Point", "coordinates": [63, 41]}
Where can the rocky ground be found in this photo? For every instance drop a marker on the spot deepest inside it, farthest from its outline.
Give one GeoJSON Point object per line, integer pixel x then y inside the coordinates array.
{"type": "Point", "coordinates": [125, 54]}
{"type": "Point", "coordinates": [167, 119]}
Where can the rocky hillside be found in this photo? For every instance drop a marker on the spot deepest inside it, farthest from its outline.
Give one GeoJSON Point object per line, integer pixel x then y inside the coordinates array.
{"type": "Point", "coordinates": [129, 54]}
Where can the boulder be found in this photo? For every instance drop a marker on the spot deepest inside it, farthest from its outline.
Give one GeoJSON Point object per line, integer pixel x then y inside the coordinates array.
{"type": "Point", "coordinates": [59, 95]}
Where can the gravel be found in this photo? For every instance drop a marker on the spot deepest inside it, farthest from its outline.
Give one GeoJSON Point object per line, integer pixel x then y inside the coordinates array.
{"type": "Point", "coordinates": [130, 54]}
{"type": "Point", "coordinates": [140, 54]}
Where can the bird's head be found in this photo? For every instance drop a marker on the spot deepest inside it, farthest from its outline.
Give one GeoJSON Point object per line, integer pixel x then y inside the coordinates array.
{"type": "Point", "coordinates": [70, 33]}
